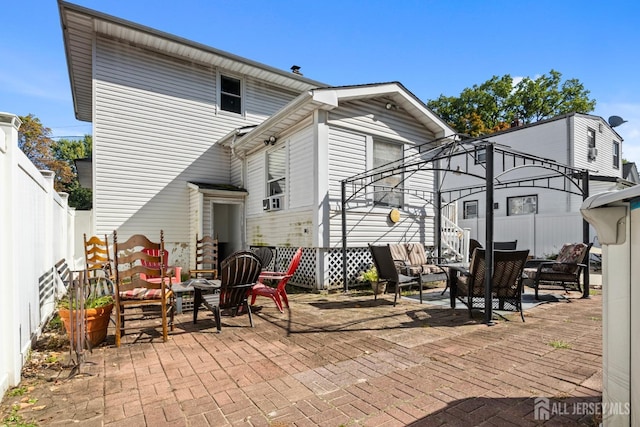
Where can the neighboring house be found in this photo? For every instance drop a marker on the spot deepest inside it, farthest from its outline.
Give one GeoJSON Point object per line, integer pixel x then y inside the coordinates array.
{"type": "Point", "coordinates": [542, 219]}
{"type": "Point", "coordinates": [630, 172]}
{"type": "Point", "coordinates": [190, 139]}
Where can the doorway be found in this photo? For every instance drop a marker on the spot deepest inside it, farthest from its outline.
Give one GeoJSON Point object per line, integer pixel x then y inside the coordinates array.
{"type": "Point", "coordinates": [226, 222]}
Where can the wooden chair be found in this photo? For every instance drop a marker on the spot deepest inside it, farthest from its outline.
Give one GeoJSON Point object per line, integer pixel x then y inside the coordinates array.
{"type": "Point", "coordinates": [206, 256]}
{"type": "Point", "coordinates": [238, 273]}
{"type": "Point", "coordinates": [387, 271]}
{"type": "Point", "coordinates": [97, 257]}
{"type": "Point", "coordinates": [278, 293]}
{"type": "Point", "coordinates": [132, 291]}
{"type": "Point", "coordinates": [562, 273]}
{"type": "Point", "coordinates": [506, 293]}
{"type": "Point", "coordinates": [173, 273]}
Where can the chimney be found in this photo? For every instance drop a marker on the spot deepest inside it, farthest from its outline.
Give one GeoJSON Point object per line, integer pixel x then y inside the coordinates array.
{"type": "Point", "coordinates": [295, 69]}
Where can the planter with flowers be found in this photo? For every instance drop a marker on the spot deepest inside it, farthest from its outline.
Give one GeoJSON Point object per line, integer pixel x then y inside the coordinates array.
{"type": "Point", "coordinates": [371, 276]}
{"type": "Point", "coordinates": [95, 302]}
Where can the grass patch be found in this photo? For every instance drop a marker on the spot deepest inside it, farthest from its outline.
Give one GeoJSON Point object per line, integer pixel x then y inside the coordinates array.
{"type": "Point", "coordinates": [559, 344]}
{"type": "Point", "coordinates": [17, 391]}
{"type": "Point", "coordinates": [15, 419]}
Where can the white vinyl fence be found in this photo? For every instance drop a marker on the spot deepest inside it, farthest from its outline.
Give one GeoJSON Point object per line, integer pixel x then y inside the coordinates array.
{"type": "Point", "coordinates": [36, 231]}
{"type": "Point", "coordinates": [542, 234]}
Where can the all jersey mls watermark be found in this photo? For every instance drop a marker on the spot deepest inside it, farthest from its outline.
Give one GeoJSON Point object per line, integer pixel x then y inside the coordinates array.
{"type": "Point", "coordinates": [545, 408]}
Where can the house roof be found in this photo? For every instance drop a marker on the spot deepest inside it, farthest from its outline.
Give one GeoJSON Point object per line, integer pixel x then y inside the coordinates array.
{"type": "Point", "coordinates": [328, 98]}
{"type": "Point", "coordinates": [80, 25]}
{"type": "Point", "coordinates": [553, 119]}
{"type": "Point", "coordinates": [630, 172]}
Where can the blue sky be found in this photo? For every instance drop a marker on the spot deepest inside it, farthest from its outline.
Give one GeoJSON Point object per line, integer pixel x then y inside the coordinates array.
{"type": "Point", "coordinates": [431, 47]}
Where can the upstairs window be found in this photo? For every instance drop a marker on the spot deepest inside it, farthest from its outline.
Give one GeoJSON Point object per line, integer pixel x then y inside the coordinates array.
{"type": "Point", "coordinates": [616, 154]}
{"type": "Point", "coordinates": [480, 155]}
{"type": "Point", "coordinates": [230, 94]}
{"type": "Point", "coordinates": [591, 138]}
{"type": "Point", "coordinates": [388, 190]}
{"type": "Point", "coordinates": [522, 205]}
{"type": "Point", "coordinates": [277, 171]}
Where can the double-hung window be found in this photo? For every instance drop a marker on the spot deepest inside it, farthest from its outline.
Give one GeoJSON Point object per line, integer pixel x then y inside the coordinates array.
{"type": "Point", "coordinates": [277, 171]}
{"type": "Point", "coordinates": [230, 94]}
{"type": "Point", "coordinates": [591, 138]}
{"type": "Point", "coordinates": [388, 190]}
{"type": "Point", "coordinates": [616, 154]}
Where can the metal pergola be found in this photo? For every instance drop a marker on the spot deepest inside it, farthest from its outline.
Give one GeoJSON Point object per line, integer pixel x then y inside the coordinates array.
{"type": "Point", "coordinates": [457, 155]}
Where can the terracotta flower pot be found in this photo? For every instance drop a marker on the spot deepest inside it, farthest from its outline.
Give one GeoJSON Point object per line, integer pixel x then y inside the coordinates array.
{"type": "Point", "coordinates": [97, 323]}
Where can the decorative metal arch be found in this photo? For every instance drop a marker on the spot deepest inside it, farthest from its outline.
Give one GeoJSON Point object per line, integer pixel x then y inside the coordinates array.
{"type": "Point", "coordinates": [437, 156]}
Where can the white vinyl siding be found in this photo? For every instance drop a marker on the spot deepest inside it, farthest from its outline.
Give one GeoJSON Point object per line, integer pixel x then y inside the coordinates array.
{"type": "Point", "coordinates": [155, 128]}
{"type": "Point", "coordinates": [367, 223]}
{"type": "Point", "coordinates": [372, 118]}
{"type": "Point", "coordinates": [301, 169]}
{"type": "Point", "coordinates": [294, 222]}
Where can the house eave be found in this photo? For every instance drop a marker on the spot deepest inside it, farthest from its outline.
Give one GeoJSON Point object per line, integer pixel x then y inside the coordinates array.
{"type": "Point", "coordinates": [80, 25]}
{"type": "Point", "coordinates": [328, 98]}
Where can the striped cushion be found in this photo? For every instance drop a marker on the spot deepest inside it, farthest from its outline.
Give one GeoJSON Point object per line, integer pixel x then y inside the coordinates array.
{"type": "Point", "coordinates": [141, 293]}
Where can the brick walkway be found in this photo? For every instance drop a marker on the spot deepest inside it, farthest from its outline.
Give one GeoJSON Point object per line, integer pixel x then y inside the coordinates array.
{"type": "Point", "coordinates": [343, 360]}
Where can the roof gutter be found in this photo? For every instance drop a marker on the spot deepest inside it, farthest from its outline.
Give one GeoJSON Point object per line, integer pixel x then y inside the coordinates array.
{"type": "Point", "coordinates": [325, 99]}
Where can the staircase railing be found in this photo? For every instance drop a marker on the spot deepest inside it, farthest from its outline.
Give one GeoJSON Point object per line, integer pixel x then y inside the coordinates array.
{"type": "Point", "coordinates": [455, 240]}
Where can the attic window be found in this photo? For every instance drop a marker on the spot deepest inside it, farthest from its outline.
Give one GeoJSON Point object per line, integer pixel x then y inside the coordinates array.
{"type": "Point", "coordinates": [230, 94]}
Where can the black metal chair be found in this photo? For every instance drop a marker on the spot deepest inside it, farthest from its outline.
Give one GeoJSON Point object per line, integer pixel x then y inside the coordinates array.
{"type": "Point", "coordinates": [506, 293]}
{"type": "Point", "coordinates": [505, 246]}
{"type": "Point", "coordinates": [564, 272]}
{"type": "Point", "coordinates": [238, 273]}
{"type": "Point", "coordinates": [387, 271]}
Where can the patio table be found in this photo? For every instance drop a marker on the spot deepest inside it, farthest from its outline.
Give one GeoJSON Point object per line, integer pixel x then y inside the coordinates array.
{"type": "Point", "coordinates": [180, 289]}
{"type": "Point", "coordinates": [453, 271]}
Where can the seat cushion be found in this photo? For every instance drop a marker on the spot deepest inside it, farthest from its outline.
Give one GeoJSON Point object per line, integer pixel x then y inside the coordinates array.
{"type": "Point", "coordinates": [416, 253]}
{"type": "Point", "coordinates": [141, 294]}
{"type": "Point", "coordinates": [399, 252]}
{"type": "Point", "coordinates": [570, 254]}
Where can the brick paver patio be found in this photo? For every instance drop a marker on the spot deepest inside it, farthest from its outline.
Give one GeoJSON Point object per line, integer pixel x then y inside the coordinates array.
{"type": "Point", "coordinates": [342, 360]}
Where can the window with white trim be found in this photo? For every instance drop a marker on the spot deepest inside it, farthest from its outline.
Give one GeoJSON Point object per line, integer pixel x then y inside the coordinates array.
{"type": "Point", "coordinates": [277, 171]}
{"type": "Point", "coordinates": [616, 154]}
{"type": "Point", "coordinates": [591, 138]}
{"type": "Point", "coordinates": [480, 155]}
{"type": "Point", "coordinates": [522, 205]}
{"type": "Point", "coordinates": [230, 94]}
{"type": "Point", "coordinates": [470, 209]}
{"type": "Point", "coordinates": [388, 191]}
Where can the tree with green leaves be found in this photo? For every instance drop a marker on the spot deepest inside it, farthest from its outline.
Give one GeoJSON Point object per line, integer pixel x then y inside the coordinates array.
{"type": "Point", "coordinates": [69, 150]}
{"type": "Point", "coordinates": [34, 139]}
{"type": "Point", "coordinates": [496, 103]}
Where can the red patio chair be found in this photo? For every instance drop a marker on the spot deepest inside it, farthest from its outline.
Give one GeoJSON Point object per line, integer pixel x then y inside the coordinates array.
{"type": "Point", "coordinates": [279, 293]}
{"type": "Point", "coordinates": [172, 272]}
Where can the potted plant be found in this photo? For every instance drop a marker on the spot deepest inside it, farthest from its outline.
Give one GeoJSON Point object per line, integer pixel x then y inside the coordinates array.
{"type": "Point", "coordinates": [98, 304]}
{"type": "Point", "coordinates": [371, 276]}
